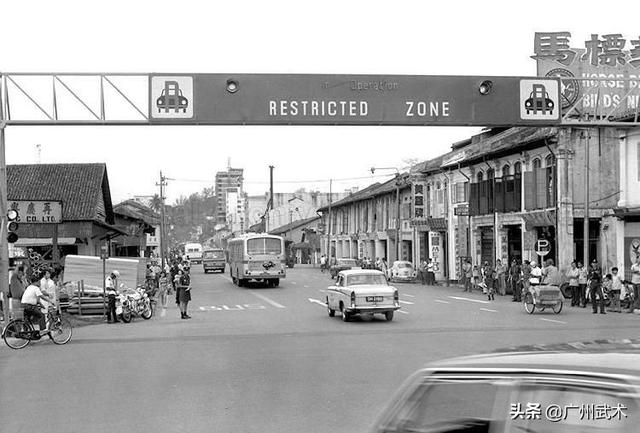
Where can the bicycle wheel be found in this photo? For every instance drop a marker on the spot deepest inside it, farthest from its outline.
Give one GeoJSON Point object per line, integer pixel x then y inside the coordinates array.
{"type": "Point", "coordinates": [16, 333]}
{"type": "Point", "coordinates": [60, 330]}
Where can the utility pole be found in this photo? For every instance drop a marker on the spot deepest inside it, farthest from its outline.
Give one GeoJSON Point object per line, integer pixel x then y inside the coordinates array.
{"type": "Point", "coordinates": [398, 241]}
{"type": "Point", "coordinates": [328, 228]}
{"type": "Point", "coordinates": [270, 204]}
{"type": "Point", "coordinates": [585, 247]}
{"type": "Point", "coordinates": [4, 244]}
{"type": "Point", "coordinates": [162, 184]}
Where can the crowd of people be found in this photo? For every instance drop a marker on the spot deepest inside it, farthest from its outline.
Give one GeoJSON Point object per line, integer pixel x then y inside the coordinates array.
{"type": "Point", "coordinates": [585, 284]}
{"type": "Point", "coordinates": [174, 278]}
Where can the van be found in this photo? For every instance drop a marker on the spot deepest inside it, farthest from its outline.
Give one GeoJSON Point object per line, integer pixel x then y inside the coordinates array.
{"type": "Point", "coordinates": [193, 253]}
{"type": "Point", "coordinates": [213, 260]}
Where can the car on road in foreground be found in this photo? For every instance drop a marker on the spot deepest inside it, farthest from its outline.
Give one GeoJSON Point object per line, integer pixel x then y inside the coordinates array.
{"type": "Point", "coordinates": [343, 265]}
{"type": "Point", "coordinates": [575, 387]}
{"type": "Point", "coordinates": [362, 292]}
{"type": "Point", "coordinates": [402, 271]}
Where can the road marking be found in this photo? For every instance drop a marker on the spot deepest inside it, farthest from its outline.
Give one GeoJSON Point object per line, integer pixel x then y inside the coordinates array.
{"type": "Point", "coordinates": [236, 307]}
{"type": "Point", "coordinates": [306, 287]}
{"type": "Point", "coordinates": [293, 282]}
{"type": "Point", "coordinates": [442, 302]}
{"type": "Point", "coordinates": [554, 321]}
{"type": "Point", "coordinates": [490, 311]}
{"type": "Point", "coordinates": [267, 300]}
{"type": "Point", "coordinates": [315, 301]}
{"type": "Point", "coordinates": [470, 300]}
{"type": "Point", "coordinates": [406, 302]}
{"type": "Point", "coordinates": [402, 312]}
{"type": "Point", "coordinates": [406, 294]}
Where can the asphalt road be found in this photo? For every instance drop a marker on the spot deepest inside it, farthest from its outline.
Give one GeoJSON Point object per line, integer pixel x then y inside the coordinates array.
{"type": "Point", "coordinates": [263, 359]}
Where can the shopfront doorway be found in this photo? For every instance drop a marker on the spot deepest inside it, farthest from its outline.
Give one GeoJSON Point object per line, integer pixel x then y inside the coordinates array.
{"type": "Point", "coordinates": [514, 243]}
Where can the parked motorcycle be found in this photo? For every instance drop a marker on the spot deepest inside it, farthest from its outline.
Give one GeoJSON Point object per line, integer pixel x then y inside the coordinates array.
{"type": "Point", "coordinates": [134, 303]}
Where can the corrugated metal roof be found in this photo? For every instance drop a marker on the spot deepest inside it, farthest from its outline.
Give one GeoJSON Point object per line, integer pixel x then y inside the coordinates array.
{"type": "Point", "coordinates": [292, 226]}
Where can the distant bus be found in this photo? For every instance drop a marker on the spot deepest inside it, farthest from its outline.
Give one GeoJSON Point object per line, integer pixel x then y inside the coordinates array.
{"type": "Point", "coordinates": [193, 252]}
{"type": "Point", "coordinates": [213, 259]}
{"type": "Point", "coordinates": [256, 256]}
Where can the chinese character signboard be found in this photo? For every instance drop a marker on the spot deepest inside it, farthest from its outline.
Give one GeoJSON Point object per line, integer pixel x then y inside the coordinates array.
{"type": "Point", "coordinates": [314, 99]}
{"type": "Point", "coordinates": [606, 70]}
{"type": "Point", "coordinates": [37, 211]}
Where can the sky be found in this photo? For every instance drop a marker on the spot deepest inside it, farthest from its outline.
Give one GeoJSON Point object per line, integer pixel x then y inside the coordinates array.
{"type": "Point", "coordinates": [277, 36]}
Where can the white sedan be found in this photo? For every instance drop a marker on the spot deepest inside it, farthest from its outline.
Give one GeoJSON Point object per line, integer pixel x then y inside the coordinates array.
{"type": "Point", "coordinates": [362, 292]}
{"type": "Point", "coordinates": [402, 271]}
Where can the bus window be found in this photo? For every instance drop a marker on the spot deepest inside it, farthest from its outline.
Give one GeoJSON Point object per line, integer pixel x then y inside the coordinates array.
{"type": "Point", "coordinates": [264, 246]}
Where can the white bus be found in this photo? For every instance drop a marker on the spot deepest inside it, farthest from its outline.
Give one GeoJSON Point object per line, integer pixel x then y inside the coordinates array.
{"type": "Point", "coordinates": [256, 256]}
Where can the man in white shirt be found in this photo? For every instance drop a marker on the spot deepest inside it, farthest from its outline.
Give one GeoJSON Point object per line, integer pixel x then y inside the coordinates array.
{"type": "Point", "coordinates": [31, 298]}
{"type": "Point", "coordinates": [48, 286]}
{"type": "Point", "coordinates": [110, 285]}
{"type": "Point", "coordinates": [635, 281]}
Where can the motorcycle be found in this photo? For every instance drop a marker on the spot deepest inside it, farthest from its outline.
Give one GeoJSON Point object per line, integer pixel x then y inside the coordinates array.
{"type": "Point", "coordinates": [133, 302]}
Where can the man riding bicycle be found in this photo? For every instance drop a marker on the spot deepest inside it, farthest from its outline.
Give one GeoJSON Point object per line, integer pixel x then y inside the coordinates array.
{"type": "Point", "coordinates": [30, 302]}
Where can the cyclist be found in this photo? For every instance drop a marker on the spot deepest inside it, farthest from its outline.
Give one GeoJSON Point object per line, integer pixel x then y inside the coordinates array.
{"type": "Point", "coordinates": [31, 299]}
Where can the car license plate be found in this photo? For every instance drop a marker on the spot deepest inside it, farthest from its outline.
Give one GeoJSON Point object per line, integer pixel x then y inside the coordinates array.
{"type": "Point", "coordinates": [374, 298]}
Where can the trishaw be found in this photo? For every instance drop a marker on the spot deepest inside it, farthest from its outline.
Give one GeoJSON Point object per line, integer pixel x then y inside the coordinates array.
{"type": "Point", "coordinates": [543, 296]}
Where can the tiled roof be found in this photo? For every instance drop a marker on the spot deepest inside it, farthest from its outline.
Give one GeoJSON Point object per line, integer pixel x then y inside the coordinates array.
{"type": "Point", "coordinates": [373, 190]}
{"type": "Point", "coordinates": [78, 186]}
{"type": "Point", "coordinates": [136, 210]}
{"type": "Point", "coordinates": [292, 225]}
{"type": "Point", "coordinates": [512, 138]}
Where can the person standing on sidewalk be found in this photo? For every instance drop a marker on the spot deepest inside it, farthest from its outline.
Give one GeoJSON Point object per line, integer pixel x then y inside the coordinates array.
{"type": "Point", "coordinates": [514, 281]}
{"type": "Point", "coordinates": [501, 282]}
{"type": "Point", "coordinates": [163, 292]}
{"type": "Point", "coordinates": [616, 289]}
{"type": "Point", "coordinates": [572, 275]}
{"type": "Point", "coordinates": [595, 288]}
{"type": "Point", "coordinates": [583, 276]}
{"type": "Point", "coordinates": [422, 272]}
{"type": "Point", "coordinates": [635, 281]}
{"type": "Point", "coordinates": [431, 275]}
{"type": "Point", "coordinates": [183, 293]}
{"type": "Point", "coordinates": [111, 286]}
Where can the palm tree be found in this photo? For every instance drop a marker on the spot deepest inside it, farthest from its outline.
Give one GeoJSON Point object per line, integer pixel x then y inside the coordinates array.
{"type": "Point", "coordinates": [156, 203]}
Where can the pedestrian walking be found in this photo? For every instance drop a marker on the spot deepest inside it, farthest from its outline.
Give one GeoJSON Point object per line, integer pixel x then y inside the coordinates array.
{"type": "Point", "coordinates": [477, 277]}
{"type": "Point", "coordinates": [514, 280]}
{"type": "Point", "coordinates": [111, 287]}
{"type": "Point", "coordinates": [635, 281]}
{"type": "Point", "coordinates": [422, 272]}
{"type": "Point", "coordinates": [384, 268]}
{"type": "Point", "coordinates": [501, 281]}
{"type": "Point", "coordinates": [583, 275]}
{"type": "Point", "coordinates": [616, 289]}
{"type": "Point", "coordinates": [488, 280]}
{"type": "Point", "coordinates": [572, 274]}
{"type": "Point", "coordinates": [468, 273]}
{"type": "Point", "coordinates": [431, 275]}
{"type": "Point", "coordinates": [183, 293]}
{"type": "Point", "coordinates": [323, 263]}
{"type": "Point", "coordinates": [595, 288]}
{"type": "Point", "coordinates": [163, 292]}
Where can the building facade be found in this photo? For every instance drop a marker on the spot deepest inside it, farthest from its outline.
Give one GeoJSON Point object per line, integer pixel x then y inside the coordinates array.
{"type": "Point", "coordinates": [364, 224]}
{"type": "Point", "coordinates": [497, 194]}
{"type": "Point", "coordinates": [229, 182]}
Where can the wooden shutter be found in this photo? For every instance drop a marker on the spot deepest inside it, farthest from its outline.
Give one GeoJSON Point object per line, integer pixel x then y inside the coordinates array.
{"type": "Point", "coordinates": [517, 192]}
{"type": "Point", "coordinates": [499, 195]}
{"type": "Point", "coordinates": [529, 190]}
{"type": "Point", "coordinates": [483, 202]}
{"type": "Point", "coordinates": [474, 195]}
{"type": "Point", "coordinates": [508, 186]}
{"type": "Point", "coordinates": [541, 188]}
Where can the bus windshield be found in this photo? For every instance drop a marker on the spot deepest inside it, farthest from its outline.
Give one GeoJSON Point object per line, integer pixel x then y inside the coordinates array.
{"type": "Point", "coordinates": [264, 246]}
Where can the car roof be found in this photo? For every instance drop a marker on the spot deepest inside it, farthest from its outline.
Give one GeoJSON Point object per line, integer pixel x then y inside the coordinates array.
{"type": "Point", "coordinates": [361, 272]}
{"type": "Point", "coordinates": [603, 356]}
{"type": "Point", "coordinates": [402, 261]}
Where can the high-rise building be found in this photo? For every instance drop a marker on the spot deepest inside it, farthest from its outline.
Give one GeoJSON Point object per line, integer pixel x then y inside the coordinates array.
{"type": "Point", "coordinates": [230, 198]}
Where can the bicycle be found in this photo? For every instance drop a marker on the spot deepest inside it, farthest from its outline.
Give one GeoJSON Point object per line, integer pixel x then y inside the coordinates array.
{"type": "Point", "coordinates": [20, 332]}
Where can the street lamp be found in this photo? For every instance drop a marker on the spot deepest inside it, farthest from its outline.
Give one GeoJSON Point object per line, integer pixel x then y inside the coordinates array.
{"type": "Point", "coordinates": [398, 242]}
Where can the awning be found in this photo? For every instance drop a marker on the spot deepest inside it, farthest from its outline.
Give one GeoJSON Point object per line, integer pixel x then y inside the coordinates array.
{"type": "Point", "coordinates": [539, 219]}
{"type": "Point", "coordinates": [40, 242]}
{"type": "Point", "coordinates": [429, 224]}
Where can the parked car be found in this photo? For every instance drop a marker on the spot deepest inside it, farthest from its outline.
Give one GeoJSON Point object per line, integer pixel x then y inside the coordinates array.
{"type": "Point", "coordinates": [402, 271]}
{"type": "Point", "coordinates": [578, 387]}
{"type": "Point", "coordinates": [343, 265]}
{"type": "Point", "coordinates": [362, 292]}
